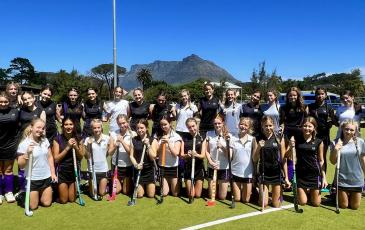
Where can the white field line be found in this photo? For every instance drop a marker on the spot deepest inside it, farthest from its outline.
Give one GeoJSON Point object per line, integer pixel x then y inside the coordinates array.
{"type": "Point", "coordinates": [221, 221]}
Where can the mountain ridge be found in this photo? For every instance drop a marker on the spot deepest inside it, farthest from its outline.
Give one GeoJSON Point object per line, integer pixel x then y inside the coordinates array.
{"type": "Point", "coordinates": [188, 69]}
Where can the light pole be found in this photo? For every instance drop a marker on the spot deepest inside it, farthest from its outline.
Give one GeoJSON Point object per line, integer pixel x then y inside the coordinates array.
{"type": "Point", "coordinates": [115, 46]}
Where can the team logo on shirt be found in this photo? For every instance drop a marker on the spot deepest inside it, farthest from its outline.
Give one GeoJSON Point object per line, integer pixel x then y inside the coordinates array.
{"type": "Point", "coordinates": [313, 148]}
{"type": "Point", "coordinates": [274, 144]}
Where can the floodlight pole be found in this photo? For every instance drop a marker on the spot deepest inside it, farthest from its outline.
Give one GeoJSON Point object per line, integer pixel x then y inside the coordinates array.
{"type": "Point", "coordinates": [115, 46]}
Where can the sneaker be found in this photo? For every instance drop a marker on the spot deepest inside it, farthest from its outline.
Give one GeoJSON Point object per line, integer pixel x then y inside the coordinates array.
{"type": "Point", "coordinates": [1, 199]}
{"type": "Point", "coordinates": [9, 197]}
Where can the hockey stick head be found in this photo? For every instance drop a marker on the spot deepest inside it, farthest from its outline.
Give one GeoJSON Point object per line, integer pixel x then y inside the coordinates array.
{"type": "Point", "coordinates": [81, 202]}
{"type": "Point", "coordinates": [28, 213]}
{"type": "Point", "coordinates": [211, 203]}
{"type": "Point", "coordinates": [132, 202]}
{"type": "Point", "coordinates": [111, 198]}
{"type": "Point", "coordinates": [337, 211]}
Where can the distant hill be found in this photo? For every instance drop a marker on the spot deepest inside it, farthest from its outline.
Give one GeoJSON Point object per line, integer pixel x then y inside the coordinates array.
{"type": "Point", "coordinates": [178, 72]}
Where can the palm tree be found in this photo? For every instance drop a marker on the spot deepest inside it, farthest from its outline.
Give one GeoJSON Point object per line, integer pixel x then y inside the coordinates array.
{"type": "Point", "coordinates": [144, 77]}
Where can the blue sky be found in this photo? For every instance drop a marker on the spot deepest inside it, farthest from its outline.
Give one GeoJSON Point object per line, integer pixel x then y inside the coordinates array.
{"type": "Point", "coordinates": [297, 38]}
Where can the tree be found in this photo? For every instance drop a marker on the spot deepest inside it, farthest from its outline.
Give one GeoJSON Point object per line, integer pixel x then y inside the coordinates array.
{"type": "Point", "coordinates": [144, 77]}
{"type": "Point", "coordinates": [105, 72]}
{"type": "Point", "coordinates": [3, 76]}
{"type": "Point", "coordinates": [21, 70]}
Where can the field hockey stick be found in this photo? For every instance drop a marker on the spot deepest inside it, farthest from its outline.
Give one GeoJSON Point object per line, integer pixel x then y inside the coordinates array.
{"type": "Point", "coordinates": [115, 178]}
{"type": "Point", "coordinates": [262, 157]}
{"type": "Point", "coordinates": [337, 175]}
{"type": "Point", "coordinates": [94, 188]}
{"type": "Point", "coordinates": [28, 212]}
{"type": "Point", "coordinates": [212, 202]}
{"type": "Point", "coordinates": [81, 201]}
{"type": "Point", "coordinates": [162, 172]}
{"type": "Point", "coordinates": [233, 204]}
{"type": "Point", "coordinates": [295, 185]}
{"type": "Point", "coordinates": [134, 196]}
{"type": "Point", "coordinates": [192, 189]}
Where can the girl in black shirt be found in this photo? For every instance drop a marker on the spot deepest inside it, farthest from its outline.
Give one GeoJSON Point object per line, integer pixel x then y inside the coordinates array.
{"type": "Point", "coordinates": [138, 109]}
{"type": "Point", "coordinates": [63, 146]}
{"type": "Point", "coordinates": [147, 179]}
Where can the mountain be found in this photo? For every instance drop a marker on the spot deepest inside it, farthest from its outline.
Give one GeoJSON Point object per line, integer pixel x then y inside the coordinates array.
{"type": "Point", "coordinates": [178, 72]}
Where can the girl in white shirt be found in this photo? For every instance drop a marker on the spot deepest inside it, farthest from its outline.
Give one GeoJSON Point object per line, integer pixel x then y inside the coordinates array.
{"type": "Point", "coordinates": [167, 148]}
{"type": "Point", "coordinates": [350, 110]}
{"type": "Point", "coordinates": [242, 161]}
{"type": "Point", "coordinates": [182, 111]}
{"type": "Point", "coordinates": [272, 109]}
{"type": "Point", "coordinates": [231, 110]}
{"type": "Point", "coordinates": [123, 138]}
{"type": "Point", "coordinates": [43, 172]}
{"type": "Point", "coordinates": [216, 154]}
{"type": "Point", "coordinates": [116, 107]}
{"type": "Point", "coordinates": [101, 146]}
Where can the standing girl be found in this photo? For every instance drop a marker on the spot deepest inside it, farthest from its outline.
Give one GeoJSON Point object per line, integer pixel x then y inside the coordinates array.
{"type": "Point", "coordinates": [253, 110]}
{"type": "Point", "coordinates": [99, 146]}
{"type": "Point", "coordinates": [167, 147]}
{"type": "Point", "coordinates": [182, 111]}
{"type": "Point", "coordinates": [351, 150]}
{"type": "Point", "coordinates": [13, 91]}
{"type": "Point", "coordinates": [27, 113]}
{"type": "Point", "coordinates": [138, 109]}
{"type": "Point", "coordinates": [242, 161]}
{"type": "Point", "coordinates": [231, 110]}
{"type": "Point", "coordinates": [161, 109]}
{"type": "Point", "coordinates": [92, 110]}
{"type": "Point", "coordinates": [325, 118]}
{"type": "Point", "coordinates": [209, 107]}
{"type": "Point", "coordinates": [147, 178]}
{"type": "Point", "coordinates": [116, 107]}
{"type": "Point", "coordinates": [199, 156]}
{"type": "Point", "coordinates": [272, 109]}
{"type": "Point", "coordinates": [350, 110]}
{"type": "Point", "coordinates": [123, 138]}
{"type": "Point", "coordinates": [216, 154]}
{"type": "Point", "coordinates": [49, 107]}
{"type": "Point", "coordinates": [43, 171]}
{"type": "Point", "coordinates": [71, 108]}
{"type": "Point", "coordinates": [269, 155]}
{"type": "Point", "coordinates": [9, 119]}
{"type": "Point", "coordinates": [311, 176]}
{"type": "Point", "coordinates": [63, 147]}
{"type": "Point", "coordinates": [292, 115]}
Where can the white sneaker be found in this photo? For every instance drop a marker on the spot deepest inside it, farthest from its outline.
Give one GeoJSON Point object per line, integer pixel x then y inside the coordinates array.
{"type": "Point", "coordinates": [9, 197]}
{"type": "Point", "coordinates": [1, 199]}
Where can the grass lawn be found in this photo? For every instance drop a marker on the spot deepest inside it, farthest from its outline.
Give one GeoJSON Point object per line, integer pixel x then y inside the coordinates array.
{"type": "Point", "coordinates": [175, 213]}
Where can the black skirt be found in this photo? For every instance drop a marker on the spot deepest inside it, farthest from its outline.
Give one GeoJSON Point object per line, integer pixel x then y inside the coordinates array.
{"type": "Point", "coordinates": [123, 172]}
{"type": "Point", "coordinates": [222, 174]}
{"type": "Point", "coordinates": [169, 172]}
{"type": "Point", "coordinates": [66, 174]}
{"type": "Point", "coordinates": [147, 175]}
{"type": "Point", "coordinates": [40, 185]}
{"type": "Point", "coordinates": [199, 173]}
{"type": "Point", "coordinates": [309, 182]}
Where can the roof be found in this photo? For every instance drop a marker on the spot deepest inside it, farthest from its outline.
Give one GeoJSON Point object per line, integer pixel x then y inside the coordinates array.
{"type": "Point", "coordinates": [228, 85]}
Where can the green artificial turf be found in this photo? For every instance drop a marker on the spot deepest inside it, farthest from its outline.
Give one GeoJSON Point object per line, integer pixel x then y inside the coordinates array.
{"type": "Point", "coordinates": [175, 213]}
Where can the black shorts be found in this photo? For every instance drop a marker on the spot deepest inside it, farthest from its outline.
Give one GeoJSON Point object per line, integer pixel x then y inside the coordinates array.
{"type": "Point", "coordinates": [169, 172]}
{"type": "Point", "coordinates": [222, 174]}
{"type": "Point", "coordinates": [123, 172]}
{"type": "Point", "coordinates": [66, 175]}
{"type": "Point", "coordinates": [199, 173]}
{"type": "Point", "coordinates": [40, 185]}
{"type": "Point", "coordinates": [147, 175]}
{"type": "Point", "coordinates": [309, 182]}
{"type": "Point", "coordinates": [242, 179]}
{"type": "Point", "coordinates": [350, 189]}
{"type": "Point", "coordinates": [101, 175]}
